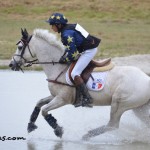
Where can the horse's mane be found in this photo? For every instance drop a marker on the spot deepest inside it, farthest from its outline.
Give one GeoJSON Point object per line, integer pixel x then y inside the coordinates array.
{"type": "Point", "coordinates": [49, 37]}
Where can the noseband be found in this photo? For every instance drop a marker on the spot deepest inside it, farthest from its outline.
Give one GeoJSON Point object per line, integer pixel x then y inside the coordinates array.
{"type": "Point", "coordinates": [25, 44]}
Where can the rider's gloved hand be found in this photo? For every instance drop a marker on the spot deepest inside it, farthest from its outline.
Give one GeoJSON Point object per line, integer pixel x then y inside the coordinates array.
{"type": "Point", "coordinates": [62, 60]}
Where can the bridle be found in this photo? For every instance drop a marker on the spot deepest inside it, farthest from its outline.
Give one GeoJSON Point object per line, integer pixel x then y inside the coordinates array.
{"type": "Point", "coordinates": [25, 43]}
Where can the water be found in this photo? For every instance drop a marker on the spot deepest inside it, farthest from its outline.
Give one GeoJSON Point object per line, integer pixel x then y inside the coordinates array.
{"type": "Point", "coordinates": [20, 92]}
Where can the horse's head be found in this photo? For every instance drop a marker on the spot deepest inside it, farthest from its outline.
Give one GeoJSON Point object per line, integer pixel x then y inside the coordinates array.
{"type": "Point", "coordinates": [23, 53]}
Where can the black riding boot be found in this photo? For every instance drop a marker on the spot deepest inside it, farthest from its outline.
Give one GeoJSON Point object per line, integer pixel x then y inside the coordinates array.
{"type": "Point", "coordinates": [34, 115]}
{"type": "Point", "coordinates": [78, 96]}
{"type": "Point", "coordinates": [53, 123]}
{"type": "Point", "coordinates": [86, 100]}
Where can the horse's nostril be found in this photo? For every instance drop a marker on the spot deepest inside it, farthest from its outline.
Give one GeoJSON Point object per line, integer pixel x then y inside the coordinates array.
{"type": "Point", "coordinates": [10, 65]}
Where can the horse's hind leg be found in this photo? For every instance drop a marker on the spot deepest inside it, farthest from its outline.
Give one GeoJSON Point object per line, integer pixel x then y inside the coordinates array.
{"type": "Point", "coordinates": [35, 113]}
{"type": "Point", "coordinates": [115, 115]}
{"type": "Point", "coordinates": [143, 113]}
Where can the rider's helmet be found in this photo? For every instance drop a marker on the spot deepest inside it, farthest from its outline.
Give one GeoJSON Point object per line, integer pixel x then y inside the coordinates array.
{"type": "Point", "coordinates": [57, 18]}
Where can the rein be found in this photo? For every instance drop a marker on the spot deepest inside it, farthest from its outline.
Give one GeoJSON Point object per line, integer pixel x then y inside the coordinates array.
{"type": "Point", "coordinates": [30, 63]}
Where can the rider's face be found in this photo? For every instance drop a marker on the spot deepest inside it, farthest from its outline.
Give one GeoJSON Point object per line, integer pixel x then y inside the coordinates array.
{"type": "Point", "coordinates": [54, 28]}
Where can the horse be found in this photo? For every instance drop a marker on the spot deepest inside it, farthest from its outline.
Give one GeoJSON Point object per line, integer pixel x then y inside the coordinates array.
{"type": "Point", "coordinates": [126, 87]}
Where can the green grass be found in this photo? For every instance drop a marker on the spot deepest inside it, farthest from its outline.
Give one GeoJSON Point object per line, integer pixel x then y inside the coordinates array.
{"type": "Point", "coordinates": [123, 26]}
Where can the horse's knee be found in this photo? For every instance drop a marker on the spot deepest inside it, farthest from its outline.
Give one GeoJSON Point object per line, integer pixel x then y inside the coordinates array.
{"type": "Point", "coordinates": [41, 103]}
{"type": "Point", "coordinates": [44, 112]}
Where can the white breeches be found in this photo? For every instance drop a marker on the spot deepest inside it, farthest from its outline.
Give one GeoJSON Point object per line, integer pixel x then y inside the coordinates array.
{"type": "Point", "coordinates": [83, 61]}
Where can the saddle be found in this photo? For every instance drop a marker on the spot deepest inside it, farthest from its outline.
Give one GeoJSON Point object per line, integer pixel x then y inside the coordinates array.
{"type": "Point", "coordinates": [92, 66]}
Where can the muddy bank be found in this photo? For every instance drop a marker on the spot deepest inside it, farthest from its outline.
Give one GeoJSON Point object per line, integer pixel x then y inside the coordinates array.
{"type": "Point", "coordinates": [140, 61]}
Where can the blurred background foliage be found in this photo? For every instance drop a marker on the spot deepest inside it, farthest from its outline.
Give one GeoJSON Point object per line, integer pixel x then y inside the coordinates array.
{"type": "Point", "coordinates": [123, 25]}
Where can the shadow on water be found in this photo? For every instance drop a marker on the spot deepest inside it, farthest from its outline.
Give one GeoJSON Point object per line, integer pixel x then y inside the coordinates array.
{"type": "Point", "coordinates": [58, 145]}
{"type": "Point", "coordinates": [67, 145]}
{"type": "Point", "coordinates": [34, 146]}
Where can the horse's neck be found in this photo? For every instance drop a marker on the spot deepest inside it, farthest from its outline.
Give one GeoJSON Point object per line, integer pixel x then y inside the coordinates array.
{"type": "Point", "coordinates": [53, 71]}
{"type": "Point", "coordinates": [48, 53]}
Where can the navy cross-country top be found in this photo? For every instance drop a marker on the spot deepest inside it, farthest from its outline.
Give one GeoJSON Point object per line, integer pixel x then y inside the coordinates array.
{"type": "Point", "coordinates": [72, 40]}
{"type": "Point", "coordinates": [75, 42]}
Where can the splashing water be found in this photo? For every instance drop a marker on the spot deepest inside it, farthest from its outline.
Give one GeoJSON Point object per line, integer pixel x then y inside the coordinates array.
{"type": "Point", "coordinates": [20, 93]}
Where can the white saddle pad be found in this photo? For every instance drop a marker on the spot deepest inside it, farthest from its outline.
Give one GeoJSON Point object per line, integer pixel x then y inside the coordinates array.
{"type": "Point", "coordinates": [95, 85]}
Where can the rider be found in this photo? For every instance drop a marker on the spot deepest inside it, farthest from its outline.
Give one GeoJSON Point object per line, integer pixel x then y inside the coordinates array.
{"type": "Point", "coordinates": [77, 41]}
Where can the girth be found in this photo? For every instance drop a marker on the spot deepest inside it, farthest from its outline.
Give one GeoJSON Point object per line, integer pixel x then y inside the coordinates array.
{"type": "Point", "coordinates": [86, 74]}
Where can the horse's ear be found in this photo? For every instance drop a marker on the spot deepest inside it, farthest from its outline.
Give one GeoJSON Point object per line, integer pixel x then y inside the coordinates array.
{"type": "Point", "coordinates": [25, 31]}
{"type": "Point", "coordinates": [24, 34]}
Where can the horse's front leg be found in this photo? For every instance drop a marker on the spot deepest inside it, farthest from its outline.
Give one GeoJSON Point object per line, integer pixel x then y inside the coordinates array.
{"type": "Point", "coordinates": [36, 111]}
{"type": "Point", "coordinates": [55, 103]}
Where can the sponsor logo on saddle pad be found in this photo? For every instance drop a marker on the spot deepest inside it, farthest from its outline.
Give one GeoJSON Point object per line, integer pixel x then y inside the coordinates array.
{"type": "Point", "coordinates": [99, 81]}
{"type": "Point", "coordinates": [96, 85]}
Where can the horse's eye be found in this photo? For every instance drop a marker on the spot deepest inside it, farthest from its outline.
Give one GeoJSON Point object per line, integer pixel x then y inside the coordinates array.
{"type": "Point", "coordinates": [20, 48]}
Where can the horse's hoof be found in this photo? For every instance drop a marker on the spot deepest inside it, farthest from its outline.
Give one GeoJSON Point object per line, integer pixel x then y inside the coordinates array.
{"type": "Point", "coordinates": [31, 127]}
{"type": "Point", "coordinates": [88, 105]}
{"type": "Point", "coordinates": [86, 137]}
{"type": "Point", "coordinates": [77, 105]}
{"type": "Point", "coordinates": [59, 131]}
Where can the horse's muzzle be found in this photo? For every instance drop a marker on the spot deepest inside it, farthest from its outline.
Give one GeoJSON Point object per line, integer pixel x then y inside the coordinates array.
{"type": "Point", "coordinates": [15, 66]}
